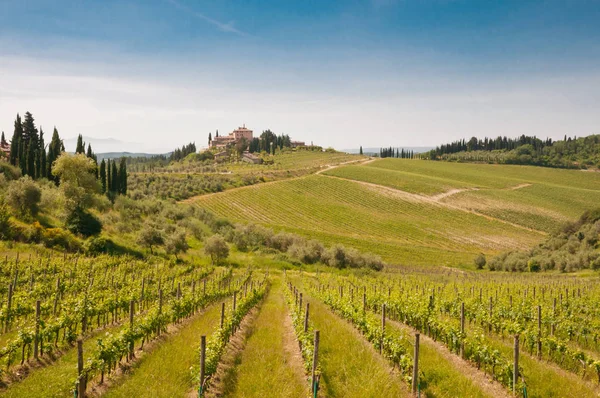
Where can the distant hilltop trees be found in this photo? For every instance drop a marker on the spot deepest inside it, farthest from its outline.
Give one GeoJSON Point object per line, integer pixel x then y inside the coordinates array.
{"type": "Point", "coordinates": [28, 152]}
{"type": "Point", "coordinates": [571, 152]}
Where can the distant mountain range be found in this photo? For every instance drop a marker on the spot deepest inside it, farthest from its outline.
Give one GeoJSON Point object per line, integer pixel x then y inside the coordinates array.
{"type": "Point", "coordinates": [118, 155]}
{"type": "Point", "coordinates": [113, 145]}
{"type": "Point", "coordinates": [415, 149]}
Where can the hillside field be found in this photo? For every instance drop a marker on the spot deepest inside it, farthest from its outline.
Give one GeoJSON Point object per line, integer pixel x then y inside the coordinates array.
{"type": "Point", "coordinates": [418, 212]}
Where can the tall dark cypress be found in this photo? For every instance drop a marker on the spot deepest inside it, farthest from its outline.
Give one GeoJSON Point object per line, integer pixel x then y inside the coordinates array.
{"type": "Point", "coordinates": [123, 177]}
{"type": "Point", "coordinates": [108, 176]}
{"type": "Point", "coordinates": [54, 150]}
{"type": "Point", "coordinates": [103, 175]}
{"type": "Point", "coordinates": [3, 140]}
{"type": "Point", "coordinates": [209, 138]}
{"type": "Point", "coordinates": [80, 148]}
{"type": "Point", "coordinates": [41, 158]}
{"type": "Point", "coordinates": [16, 142]}
{"type": "Point", "coordinates": [114, 178]}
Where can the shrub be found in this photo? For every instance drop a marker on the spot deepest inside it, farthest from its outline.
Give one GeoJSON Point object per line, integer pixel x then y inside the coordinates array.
{"type": "Point", "coordinates": [24, 196]}
{"type": "Point", "coordinates": [533, 265]}
{"type": "Point", "coordinates": [176, 243]}
{"type": "Point", "coordinates": [9, 171]}
{"type": "Point", "coordinates": [150, 236]}
{"type": "Point", "coordinates": [480, 261]}
{"type": "Point", "coordinates": [82, 222]}
{"type": "Point", "coordinates": [6, 227]}
{"type": "Point", "coordinates": [216, 248]}
{"type": "Point", "coordinates": [99, 245]}
{"type": "Point", "coordinates": [57, 237]}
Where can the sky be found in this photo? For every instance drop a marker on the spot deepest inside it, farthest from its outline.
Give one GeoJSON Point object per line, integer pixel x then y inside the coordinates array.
{"type": "Point", "coordinates": [161, 73]}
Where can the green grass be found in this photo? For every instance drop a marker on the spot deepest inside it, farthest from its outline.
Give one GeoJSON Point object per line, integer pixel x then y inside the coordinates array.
{"type": "Point", "coordinates": [442, 378]}
{"type": "Point", "coordinates": [350, 366]}
{"type": "Point", "coordinates": [263, 369]}
{"type": "Point", "coordinates": [401, 230]}
{"type": "Point", "coordinates": [398, 179]}
{"type": "Point", "coordinates": [56, 379]}
{"type": "Point", "coordinates": [166, 370]}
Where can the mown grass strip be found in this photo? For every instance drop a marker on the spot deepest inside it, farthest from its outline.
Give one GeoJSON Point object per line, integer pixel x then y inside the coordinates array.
{"type": "Point", "coordinates": [266, 366]}
{"type": "Point", "coordinates": [350, 366]}
{"type": "Point", "coordinates": [166, 372]}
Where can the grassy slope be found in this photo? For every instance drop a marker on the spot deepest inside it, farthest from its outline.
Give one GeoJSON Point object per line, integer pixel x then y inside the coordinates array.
{"type": "Point", "coordinates": [400, 230]}
{"type": "Point", "coordinates": [166, 371]}
{"type": "Point", "coordinates": [349, 365]}
{"type": "Point", "coordinates": [263, 369]}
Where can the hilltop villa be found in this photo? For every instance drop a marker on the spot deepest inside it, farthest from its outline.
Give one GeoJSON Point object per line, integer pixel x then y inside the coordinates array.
{"type": "Point", "coordinates": [232, 138]}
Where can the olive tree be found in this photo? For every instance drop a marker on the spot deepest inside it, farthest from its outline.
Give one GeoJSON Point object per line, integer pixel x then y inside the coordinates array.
{"type": "Point", "coordinates": [216, 248]}
{"type": "Point", "coordinates": [24, 196]}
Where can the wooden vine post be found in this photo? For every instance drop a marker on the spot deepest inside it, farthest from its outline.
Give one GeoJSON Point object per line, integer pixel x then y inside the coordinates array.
{"type": "Point", "coordinates": [131, 312]}
{"type": "Point", "coordinates": [539, 340]}
{"type": "Point", "coordinates": [202, 365]}
{"type": "Point", "coordinates": [462, 329]}
{"type": "Point", "coordinates": [314, 377]}
{"type": "Point", "coordinates": [81, 382]}
{"type": "Point", "coordinates": [222, 315]}
{"type": "Point", "coordinates": [516, 364]}
{"type": "Point", "coordinates": [37, 329]}
{"type": "Point", "coordinates": [382, 328]}
{"type": "Point", "coordinates": [415, 378]}
{"type": "Point", "coordinates": [306, 318]}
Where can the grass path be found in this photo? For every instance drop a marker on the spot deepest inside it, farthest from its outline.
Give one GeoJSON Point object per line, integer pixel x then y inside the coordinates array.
{"type": "Point", "coordinates": [448, 375]}
{"type": "Point", "coordinates": [350, 366]}
{"type": "Point", "coordinates": [267, 366]}
{"type": "Point", "coordinates": [166, 371]}
{"type": "Point", "coordinates": [543, 379]}
{"type": "Point", "coordinates": [57, 378]}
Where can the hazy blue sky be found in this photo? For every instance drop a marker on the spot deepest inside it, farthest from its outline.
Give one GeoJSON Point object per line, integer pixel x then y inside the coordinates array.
{"type": "Point", "coordinates": [341, 73]}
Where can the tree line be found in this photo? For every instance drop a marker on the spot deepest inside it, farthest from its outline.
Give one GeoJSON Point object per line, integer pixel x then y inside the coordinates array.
{"type": "Point", "coordinates": [570, 152]}
{"type": "Point", "coordinates": [30, 154]}
{"type": "Point", "coordinates": [390, 152]}
{"type": "Point", "coordinates": [491, 144]}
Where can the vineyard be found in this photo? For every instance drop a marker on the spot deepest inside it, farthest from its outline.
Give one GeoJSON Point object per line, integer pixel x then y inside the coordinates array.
{"type": "Point", "coordinates": [107, 326]}
{"type": "Point", "coordinates": [400, 228]}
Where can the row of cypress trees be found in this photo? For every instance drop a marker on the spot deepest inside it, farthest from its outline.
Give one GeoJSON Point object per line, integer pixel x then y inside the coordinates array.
{"type": "Point", "coordinates": [34, 158]}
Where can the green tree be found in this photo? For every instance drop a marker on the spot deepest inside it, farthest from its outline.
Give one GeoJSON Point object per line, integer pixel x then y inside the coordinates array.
{"type": "Point", "coordinates": [3, 140]}
{"type": "Point", "coordinates": [480, 261]}
{"type": "Point", "coordinates": [216, 248]}
{"type": "Point", "coordinates": [41, 170]}
{"type": "Point", "coordinates": [150, 236]}
{"type": "Point", "coordinates": [30, 132]}
{"type": "Point", "coordinates": [108, 176]}
{"type": "Point", "coordinates": [176, 243]}
{"type": "Point", "coordinates": [83, 222]}
{"type": "Point", "coordinates": [54, 150]}
{"type": "Point", "coordinates": [80, 148]}
{"type": "Point", "coordinates": [77, 180]}
{"type": "Point", "coordinates": [15, 143]}
{"type": "Point", "coordinates": [114, 178]}
{"type": "Point", "coordinates": [122, 177]}
{"type": "Point", "coordinates": [6, 227]}
{"type": "Point", "coordinates": [209, 138]}
{"type": "Point", "coordinates": [103, 175]}
{"type": "Point", "coordinates": [24, 196]}
{"type": "Point", "coordinates": [361, 151]}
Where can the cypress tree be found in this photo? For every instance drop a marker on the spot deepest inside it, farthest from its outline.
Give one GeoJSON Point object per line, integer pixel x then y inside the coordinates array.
{"type": "Point", "coordinates": [15, 143]}
{"type": "Point", "coordinates": [54, 150]}
{"type": "Point", "coordinates": [89, 153]}
{"type": "Point", "coordinates": [30, 132]}
{"type": "Point", "coordinates": [41, 159]}
{"type": "Point", "coordinates": [123, 177]}
{"type": "Point", "coordinates": [80, 145]}
{"type": "Point", "coordinates": [103, 175]}
{"type": "Point", "coordinates": [209, 138]}
{"type": "Point", "coordinates": [31, 155]}
{"type": "Point", "coordinates": [361, 151]}
{"type": "Point", "coordinates": [108, 176]}
{"type": "Point", "coordinates": [114, 178]}
{"type": "Point", "coordinates": [3, 140]}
